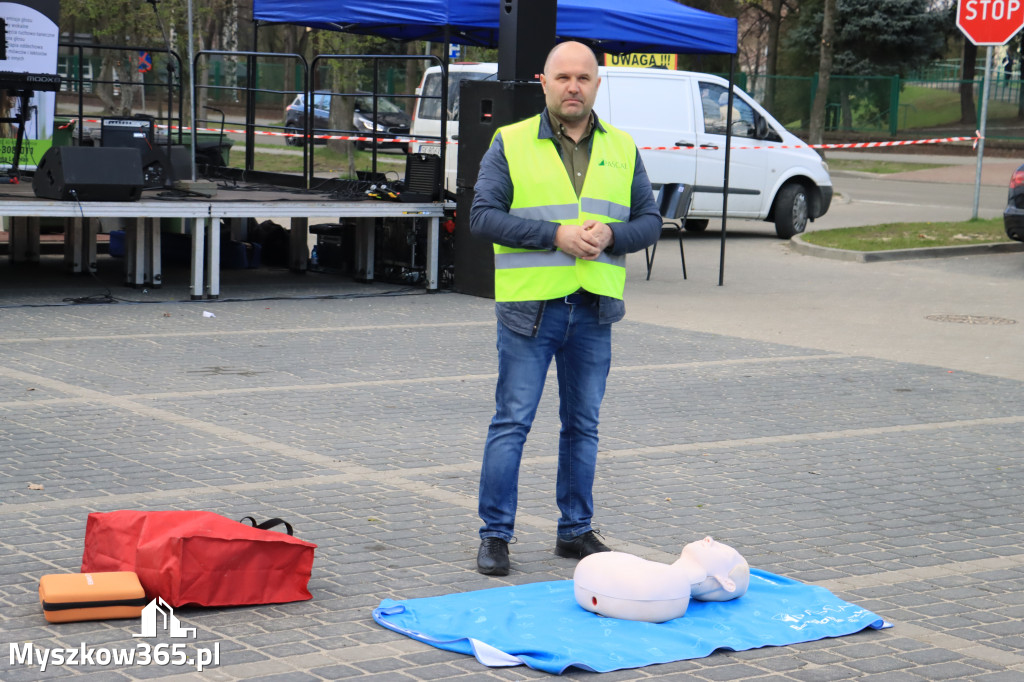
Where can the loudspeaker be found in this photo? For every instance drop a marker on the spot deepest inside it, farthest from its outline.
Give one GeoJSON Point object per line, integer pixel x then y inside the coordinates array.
{"type": "Point", "coordinates": [161, 165]}
{"type": "Point", "coordinates": [422, 178]}
{"type": "Point", "coordinates": [484, 106]}
{"type": "Point", "coordinates": [89, 174]}
{"type": "Point", "coordinates": [161, 170]}
{"type": "Point", "coordinates": [526, 33]}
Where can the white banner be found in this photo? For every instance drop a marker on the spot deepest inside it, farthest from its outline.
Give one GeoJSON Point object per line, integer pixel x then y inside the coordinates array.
{"type": "Point", "coordinates": [32, 37]}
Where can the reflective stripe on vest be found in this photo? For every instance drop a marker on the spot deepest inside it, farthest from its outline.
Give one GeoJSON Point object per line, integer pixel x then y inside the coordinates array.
{"type": "Point", "coordinates": [548, 259]}
{"type": "Point", "coordinates": [544, 191]}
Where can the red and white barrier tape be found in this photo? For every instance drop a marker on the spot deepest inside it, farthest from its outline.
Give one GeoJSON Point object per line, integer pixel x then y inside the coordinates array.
{"type": "Point", "coordinates": [380, 140]}
{"type": "Point", "coordinates": [845, 145]}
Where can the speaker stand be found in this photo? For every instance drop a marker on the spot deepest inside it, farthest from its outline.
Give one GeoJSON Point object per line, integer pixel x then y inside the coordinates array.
{"type": "Point", "coordinates": [13, 176]}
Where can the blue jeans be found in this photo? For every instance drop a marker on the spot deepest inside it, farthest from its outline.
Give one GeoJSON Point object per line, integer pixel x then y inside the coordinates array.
{"type": "Point", "coordinates": [582, 350]}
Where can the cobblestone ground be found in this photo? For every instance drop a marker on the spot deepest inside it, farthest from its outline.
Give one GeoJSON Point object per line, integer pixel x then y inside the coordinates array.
{"type": "Point", "coordinates": [895, 485]}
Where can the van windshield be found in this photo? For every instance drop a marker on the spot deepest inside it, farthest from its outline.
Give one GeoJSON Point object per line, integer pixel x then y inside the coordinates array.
{"type": "Point", "coordinates": [384, 105]}
{"type": "Point", "coordinates": [430, 103]}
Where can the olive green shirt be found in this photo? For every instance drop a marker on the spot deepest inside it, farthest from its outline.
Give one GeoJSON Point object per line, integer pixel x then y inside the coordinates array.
{"type": "Point", "coordinates": [575, 153]}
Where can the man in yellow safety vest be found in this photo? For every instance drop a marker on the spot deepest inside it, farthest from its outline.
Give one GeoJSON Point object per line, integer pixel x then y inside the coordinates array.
{"type": "Point", "coordinates": [563, 197]}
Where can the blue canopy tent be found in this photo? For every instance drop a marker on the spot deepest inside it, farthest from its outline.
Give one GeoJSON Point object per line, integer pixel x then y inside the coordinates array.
{"type": "Point", "coordinates": [660, 26]}
{"type": "Point", "coordinates": [609, 25]}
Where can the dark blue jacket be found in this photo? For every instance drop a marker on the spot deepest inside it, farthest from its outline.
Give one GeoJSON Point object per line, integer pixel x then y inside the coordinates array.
{"type": "Point", "coordinates": [490, 220]}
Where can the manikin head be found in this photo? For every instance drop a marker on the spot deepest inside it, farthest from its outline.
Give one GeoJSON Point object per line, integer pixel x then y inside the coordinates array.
{"type": "Point", "coordinates": [728, 574]}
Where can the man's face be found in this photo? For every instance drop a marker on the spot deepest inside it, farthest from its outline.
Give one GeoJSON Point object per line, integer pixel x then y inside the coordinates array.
{"type": "Point", "coordinates": [570, 82]}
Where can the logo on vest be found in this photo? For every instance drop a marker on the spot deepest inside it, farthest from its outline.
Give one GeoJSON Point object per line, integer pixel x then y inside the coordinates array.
{"type": "Point", "coordinates": [620, 165]}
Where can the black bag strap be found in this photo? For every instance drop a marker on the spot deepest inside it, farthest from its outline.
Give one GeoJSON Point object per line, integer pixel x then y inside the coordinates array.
{"type": "Point", "coordinates": [268, 524]}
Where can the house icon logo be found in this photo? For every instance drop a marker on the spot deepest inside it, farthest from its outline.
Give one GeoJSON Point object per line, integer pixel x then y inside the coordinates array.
{"type": "Point", "coordinates": [171, 624]}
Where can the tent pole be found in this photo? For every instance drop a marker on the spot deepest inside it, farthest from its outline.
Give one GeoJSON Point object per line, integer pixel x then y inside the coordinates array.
{"type": "Point", "coordinates": [250, 101]}
{"type": "Point", "coordinates": [725, 172]}
{"type": "Point", "coordinates": [192, 95]}
{"type": "Point", "coordinates": [444, 113]}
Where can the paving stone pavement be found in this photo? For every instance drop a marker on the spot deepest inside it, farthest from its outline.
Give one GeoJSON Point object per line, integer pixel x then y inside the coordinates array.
{"type": "Point", "coordinates": [360, 420]}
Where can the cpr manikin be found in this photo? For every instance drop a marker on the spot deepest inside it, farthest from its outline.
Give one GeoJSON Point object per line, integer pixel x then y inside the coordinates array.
{"type": "Point", "coordinates": [620, 585]}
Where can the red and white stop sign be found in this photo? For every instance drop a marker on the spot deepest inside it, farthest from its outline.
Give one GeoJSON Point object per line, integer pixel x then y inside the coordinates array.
{"type": "Point", "coordinates": [990, 22]}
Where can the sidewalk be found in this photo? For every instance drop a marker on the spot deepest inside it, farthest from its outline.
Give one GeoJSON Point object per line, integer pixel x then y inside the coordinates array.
{"type": "Point", "coordinates": [952, 168]}
{"type": "Point", "coordinates": [841, 424]}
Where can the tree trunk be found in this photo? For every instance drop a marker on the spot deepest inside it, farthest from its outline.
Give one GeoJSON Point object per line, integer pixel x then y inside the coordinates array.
{"type": "Point", "coordinates": [772, 56]}
{"type": "Point", "coordinates": [828, 35]}
{"type": "Point", "coordinates": [342, 109]}
{"type": "Point", "coordinates": [968, 114]}
{"type": "Point", "coordinates": [115, 94]}
{"type": "Point", "coordinates": [229, 43]}
{"type": "Point", "coordinates": [413, 69]}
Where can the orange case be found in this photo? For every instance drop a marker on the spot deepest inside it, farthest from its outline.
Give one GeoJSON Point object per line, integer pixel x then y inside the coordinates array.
{"type": "Point", "coordinates": [69, 597]}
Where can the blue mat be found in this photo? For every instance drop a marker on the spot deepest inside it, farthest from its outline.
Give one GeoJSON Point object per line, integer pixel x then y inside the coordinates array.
{"type": "Point", "coordinates": [541, 625]}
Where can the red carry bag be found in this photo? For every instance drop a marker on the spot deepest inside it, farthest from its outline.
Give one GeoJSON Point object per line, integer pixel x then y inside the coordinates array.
{"type": "Point", "coordinates": [198, 557]}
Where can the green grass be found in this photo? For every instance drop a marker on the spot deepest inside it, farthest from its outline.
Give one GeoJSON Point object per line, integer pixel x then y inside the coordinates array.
{"type": "Point", "coordinates": [880, 167]}
{"type": "Point", "coordinates": [922, 107]}
{"type": "Point", "coordinates": [325, 162]}
{"type": "Point", "coordinates": [894, 236]}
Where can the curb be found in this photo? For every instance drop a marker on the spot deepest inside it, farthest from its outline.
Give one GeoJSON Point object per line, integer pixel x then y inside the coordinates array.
{"type": "Point", "coordinates": [800, 246]}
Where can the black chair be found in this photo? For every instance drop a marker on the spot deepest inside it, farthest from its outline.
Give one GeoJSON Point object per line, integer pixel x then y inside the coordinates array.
{"type": "Point", "coordinates": [673, 204]}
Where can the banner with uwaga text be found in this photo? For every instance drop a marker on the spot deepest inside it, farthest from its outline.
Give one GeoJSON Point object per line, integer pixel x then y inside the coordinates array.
{"type": "Point", "coordinates": [32, 37]}
{"type": "Point", "coordinates": [644, 60]}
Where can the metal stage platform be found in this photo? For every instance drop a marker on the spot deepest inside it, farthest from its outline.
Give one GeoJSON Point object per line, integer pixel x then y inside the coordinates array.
{"type": "Point", "coordinates": [22, 211]}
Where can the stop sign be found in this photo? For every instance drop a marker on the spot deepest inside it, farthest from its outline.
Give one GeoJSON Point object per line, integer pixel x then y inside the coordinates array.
{"type": "Point", "coordinates": [990, 22]}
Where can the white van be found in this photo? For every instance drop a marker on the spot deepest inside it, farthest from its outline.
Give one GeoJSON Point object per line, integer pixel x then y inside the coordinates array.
{"type": "Point", "coordinates": [773, 175]}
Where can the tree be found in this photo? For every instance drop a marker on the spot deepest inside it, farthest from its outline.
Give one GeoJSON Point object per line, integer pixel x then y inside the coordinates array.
{"type": "Point", "coordinates": [772, 53]}
{"type": "Point", "coordinates": [828, 35]}
{"type": "Point", "coordinates": [968, 115]}
{"type": "Point", "coordinates": [154, 24]}
{"type": "Point", "coordinates": [114, 22]}
{"type": "Point", "coordinates": [873, 38]}
{"type": "Point", "coordinates": [760, 32]}
{"type": "Point", "coordinates": [346, 76]}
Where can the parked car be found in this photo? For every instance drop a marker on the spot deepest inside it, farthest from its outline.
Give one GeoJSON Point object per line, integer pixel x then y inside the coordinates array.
{"type": "Point", "coordinates": [1013, 216]}
{"type": "Point", "coordinates": [678, 120]}
{"type": "Point", "coordinates": [392, 121]}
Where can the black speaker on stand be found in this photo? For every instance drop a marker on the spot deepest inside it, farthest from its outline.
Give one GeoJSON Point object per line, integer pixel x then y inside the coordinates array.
{"type": "Point", "coordinates": [526, 32]}
{"type": "Point", "coordinates": [484, 106]}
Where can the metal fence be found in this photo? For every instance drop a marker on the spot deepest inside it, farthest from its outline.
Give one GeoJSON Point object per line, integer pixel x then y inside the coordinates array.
{"type": "Point", "coordinates": [887, 104]}
{"type": "Point", "coordinates": [127, 78]}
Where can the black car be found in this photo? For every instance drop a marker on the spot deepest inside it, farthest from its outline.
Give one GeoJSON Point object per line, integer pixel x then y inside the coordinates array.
{"type": "Point", "coordinates": [392, 121]}
{"type": "Point", "coordinates": [1013, 216]}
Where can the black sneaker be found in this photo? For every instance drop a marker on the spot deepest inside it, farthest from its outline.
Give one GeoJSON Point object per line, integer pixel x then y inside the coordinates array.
{"type": "Point", "coordinates": [581, 545]}
{"type": "Point", "coordinates": [492, 557]}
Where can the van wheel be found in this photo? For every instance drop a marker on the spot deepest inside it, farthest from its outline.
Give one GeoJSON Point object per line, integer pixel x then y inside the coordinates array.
{"type": "Point", "coordinates": [791, 210]}
{"type": "Point", "coordinates": [696, 224]}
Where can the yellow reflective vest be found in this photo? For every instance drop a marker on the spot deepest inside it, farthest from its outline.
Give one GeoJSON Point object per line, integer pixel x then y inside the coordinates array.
{"type": "Point", "coordinates": [543, 191]}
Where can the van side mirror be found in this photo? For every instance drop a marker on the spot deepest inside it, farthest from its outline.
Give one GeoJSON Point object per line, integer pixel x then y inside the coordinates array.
{"type": "Point", "coordinates": [760, 128]}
